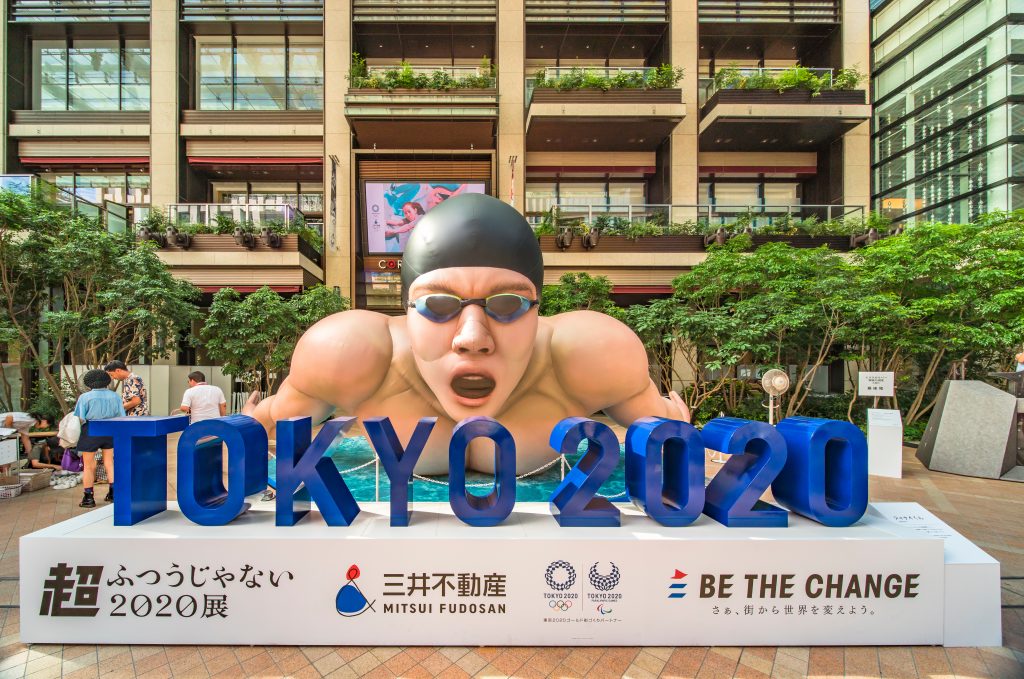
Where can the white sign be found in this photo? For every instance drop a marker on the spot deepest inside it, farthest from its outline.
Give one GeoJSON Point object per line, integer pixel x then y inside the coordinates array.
{"type": "Point", "coordinates": [885, 443]}
{"type": "Point", "coordinates": [876, 383]}
{"type": "Point", "coordinates": [441, 582]}
{"type": "Point", "coordinates": [8, 451]}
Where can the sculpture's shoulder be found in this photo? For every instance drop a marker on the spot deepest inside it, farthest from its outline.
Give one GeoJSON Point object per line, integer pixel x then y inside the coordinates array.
{"type": "Point", "coordinates": [344, 357]}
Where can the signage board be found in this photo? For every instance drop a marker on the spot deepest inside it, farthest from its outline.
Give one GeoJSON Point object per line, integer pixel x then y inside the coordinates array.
{"type": "Point", "coordinates": [439, 581]}
{"type": "Point", "coordinates": [876, 384]}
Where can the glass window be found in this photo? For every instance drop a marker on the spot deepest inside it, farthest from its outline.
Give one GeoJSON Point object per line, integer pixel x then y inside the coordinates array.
{"type": "Point", "coordinates": [737, 194]}
{"type": "Point", "coordinates": [781, 194]}
{"type": "Point", "coordinates": [540, 197]}
{"type": "Point", "coordinates": [138, 189]}
{"type": "Point", "coordinates": [135, 76]}
{"type": "Point", "coordinates": [305, 77]}
{"type": "Point", "coordinates": [582, 194]}
{"type": "Point", "coordinates": [96, 188]}
{"type": "Point", "coordinates": [49, 75]}
{"type": "Point", "coordinates": [626, 193]}
{"type": "Point", "coordinates": [90, 75]}
{"type": "Point", "coordinates": [94, 75]}
{"type": "Point", "coordinates": [259, 76]}
{"type": "Point", "coordinates": [215, 77]}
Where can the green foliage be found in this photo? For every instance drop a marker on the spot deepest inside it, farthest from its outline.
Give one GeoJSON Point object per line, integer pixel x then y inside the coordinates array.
{"type": "Point", "coordinates": [579, 292]}
{"type": "Point", "coordinates": [253, 337]}
{"type": "Point", "coordinates": [405, 77]}
{"type": "Point", "coordinates": [795, 78]}
{"type": "Point", "coordinates": [72, 289]}
{"type": "Point", "coordinates": [661, 77]}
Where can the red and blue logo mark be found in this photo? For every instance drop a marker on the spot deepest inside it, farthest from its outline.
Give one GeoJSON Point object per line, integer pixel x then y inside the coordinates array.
{"type": "Point", "coordinates": [350, 600]}
{"type": "Point", "coordinates": [676, 586]}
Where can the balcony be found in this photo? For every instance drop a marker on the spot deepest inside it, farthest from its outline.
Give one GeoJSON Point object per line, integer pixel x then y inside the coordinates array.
{"type": "Point", "coordinates": [114, 216]}
{"type": "Point", "coordinates": [279, 123]}
{"type": "Point", "coordinates": [672, 235]}
{"type": "Point", "coordinates": [241, 246]}
{"type": "Point", "coordinates": [67, 11]}
{"type": "Point", "coordinates": [453, 107]}
{"type": "Point", "coordinates": [596, 11]}
{"type": "Point", "coordinates": [768, 11]}
{"type": "Point", "coordinates": [779, 109]}
{"type": "Point", "coordinates": [602, 109]}
{"type": "Point", "coordinates": [252, 10]}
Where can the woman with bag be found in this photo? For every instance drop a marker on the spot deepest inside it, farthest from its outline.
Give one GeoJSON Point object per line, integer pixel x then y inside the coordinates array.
{"type": "Point", "coordinates": [99, 403]}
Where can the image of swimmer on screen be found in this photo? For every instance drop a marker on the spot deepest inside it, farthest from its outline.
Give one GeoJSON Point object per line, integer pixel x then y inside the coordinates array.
{"type": "Point", "coordinates": [470, 344]}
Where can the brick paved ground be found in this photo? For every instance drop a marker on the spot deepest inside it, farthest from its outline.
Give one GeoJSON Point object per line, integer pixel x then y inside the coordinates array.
{"type": "Point", "coordinates": [991, 513]}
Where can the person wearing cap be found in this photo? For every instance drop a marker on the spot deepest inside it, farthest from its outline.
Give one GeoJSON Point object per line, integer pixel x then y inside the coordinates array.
{"type": "Point", "coordinates": [133, 390]}
{"type": "Point", "coordinates": [471, 344]}
{"type": "Point", "coordinates": [99, 403]}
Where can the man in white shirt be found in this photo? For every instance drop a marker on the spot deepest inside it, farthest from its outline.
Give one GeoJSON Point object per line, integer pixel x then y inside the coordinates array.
{"type": "Point", "coordinates": [202, 401]}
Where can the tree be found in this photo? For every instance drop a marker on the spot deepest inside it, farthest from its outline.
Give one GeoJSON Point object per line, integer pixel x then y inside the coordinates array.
{"type": "Point", "coordinates": [78, 295]}
{"type": "Point", "coordinates": [940, 294]}
{"type": "Point", "coordinates": [579, 292]}
{"type": "Point", "coordinates": [253, 336]}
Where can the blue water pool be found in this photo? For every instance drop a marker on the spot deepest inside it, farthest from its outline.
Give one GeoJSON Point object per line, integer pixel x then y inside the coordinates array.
{"type": "Point", "coordinates": [351, 452]}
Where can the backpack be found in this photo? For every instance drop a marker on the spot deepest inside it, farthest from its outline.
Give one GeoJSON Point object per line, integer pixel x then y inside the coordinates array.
{"type": "Point", "coordinates": [69, 429]}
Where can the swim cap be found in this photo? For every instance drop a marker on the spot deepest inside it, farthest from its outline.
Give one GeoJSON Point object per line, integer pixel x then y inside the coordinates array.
{"type": "Point", "coordinates": [472, 230]}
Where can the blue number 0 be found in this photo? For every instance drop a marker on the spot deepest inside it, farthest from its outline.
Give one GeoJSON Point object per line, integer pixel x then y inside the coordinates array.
{"type": "Point", "coordinates": [758, 455]}
{"type": "Point", "coordinates": [826, 475]}
{"type": "Point", "coordinates": [665, 470]}
{"type": "Point", "coordinates": [573, 502]}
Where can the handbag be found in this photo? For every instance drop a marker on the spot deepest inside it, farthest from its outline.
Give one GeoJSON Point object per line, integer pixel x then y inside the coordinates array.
{"type": "Point", "coordinates": [69, 430]}
{"type": "Point", "coordinates": [71, 461]}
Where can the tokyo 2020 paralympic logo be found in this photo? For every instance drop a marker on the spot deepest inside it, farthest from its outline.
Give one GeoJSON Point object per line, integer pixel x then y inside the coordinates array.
{"type": "Point", "coordinates": [604, 583]}
{"type": "Point", "coordinates": [566, 579]}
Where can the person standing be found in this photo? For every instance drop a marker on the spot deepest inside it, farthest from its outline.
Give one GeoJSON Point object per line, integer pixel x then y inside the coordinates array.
{"type": "Point", "coordinates": [99, 403]}
{"type": "Point", "coordinates": [202, 401]}
{"type": "Point", "coordinates": [133, 391]}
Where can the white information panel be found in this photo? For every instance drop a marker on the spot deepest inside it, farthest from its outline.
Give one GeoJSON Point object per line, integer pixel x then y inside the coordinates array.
{"type": "Point", "coordinates": [885, 443]}
{"type": "Point", "coordinates": [8, 451]}
{"type": "Point", "coordinates": [441, 582]}
{"type": "Point", "coordinates": [876, 384]}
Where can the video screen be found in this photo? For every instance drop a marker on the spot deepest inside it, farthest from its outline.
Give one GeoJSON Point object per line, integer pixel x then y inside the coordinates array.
{"type": "Point", "coordinates": [393, 208]}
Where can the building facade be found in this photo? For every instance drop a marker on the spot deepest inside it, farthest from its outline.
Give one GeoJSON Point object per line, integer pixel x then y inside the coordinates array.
{"type": "Point", "coordinates": [948, 120]}
{"type": "Point", "coordinates": [361, 114]}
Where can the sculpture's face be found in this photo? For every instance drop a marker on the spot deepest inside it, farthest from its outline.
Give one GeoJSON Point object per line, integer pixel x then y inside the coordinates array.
{"type": "Point", "coordinates": [473, 361]}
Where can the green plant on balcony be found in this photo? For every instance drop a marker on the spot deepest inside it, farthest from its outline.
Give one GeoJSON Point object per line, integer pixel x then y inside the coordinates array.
{"type": "Point", "coordinates": [795, 78]}
{"type": "Point", "coordinates": [659, 78]}
{"type": "Point", "coordinates": [405, 77]}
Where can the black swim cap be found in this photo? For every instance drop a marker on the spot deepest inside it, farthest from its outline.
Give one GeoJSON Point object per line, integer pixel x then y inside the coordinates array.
{"type": "Point", "coordinates": [472, 230]}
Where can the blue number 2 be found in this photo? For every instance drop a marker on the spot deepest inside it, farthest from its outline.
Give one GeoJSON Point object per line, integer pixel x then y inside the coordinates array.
{"type": "Point", "coordinates": [573, 502]}
{"type": "Point", "coordinates": [758, 455]}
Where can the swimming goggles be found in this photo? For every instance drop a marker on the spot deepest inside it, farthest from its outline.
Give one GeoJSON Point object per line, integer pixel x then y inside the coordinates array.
{"type": "Point", "coordinates": [504, 307]}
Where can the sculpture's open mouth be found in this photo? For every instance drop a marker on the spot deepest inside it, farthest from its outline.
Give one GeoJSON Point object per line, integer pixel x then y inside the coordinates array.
{"type": "Point", "coordinates": [473, 386]}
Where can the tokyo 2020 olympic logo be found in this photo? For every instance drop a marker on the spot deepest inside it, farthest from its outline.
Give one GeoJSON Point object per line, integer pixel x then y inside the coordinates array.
{"type": "Point", "coordinates": [566, 576]}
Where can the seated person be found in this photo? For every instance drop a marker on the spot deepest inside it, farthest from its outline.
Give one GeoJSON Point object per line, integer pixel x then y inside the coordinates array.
{"type": "Point", "coordinates": [22, 422]}
{"type": "Point", "coordinates": [46, 454]}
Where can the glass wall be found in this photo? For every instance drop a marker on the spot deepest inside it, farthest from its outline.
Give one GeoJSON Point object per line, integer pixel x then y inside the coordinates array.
{"type": "Point", "coordinates": [260, 73]}
{"type": "Point", "coordinates": [945, 114]}
{"type": "Point", "coordinates": [90, 75]}
{"type": "Point", "coordinates": [127, 188]}
{"type": "Point", "coordinates": [541, 196]}
{"type": "Point", "coordinates": [307, 196]}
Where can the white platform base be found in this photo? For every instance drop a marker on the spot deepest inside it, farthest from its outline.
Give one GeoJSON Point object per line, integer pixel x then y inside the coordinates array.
{"type": "Point", "coordinates": [900, 576]}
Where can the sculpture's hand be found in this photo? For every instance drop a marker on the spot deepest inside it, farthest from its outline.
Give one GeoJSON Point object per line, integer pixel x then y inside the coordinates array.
{"type": "Point", "coordinates": [677, 408]}
{"type": "Point", "coordinates": [250, 404]}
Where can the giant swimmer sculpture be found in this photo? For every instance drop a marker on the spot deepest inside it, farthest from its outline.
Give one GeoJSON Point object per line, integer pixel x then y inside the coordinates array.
{"type": "Point", "coordinates": [471, 344]}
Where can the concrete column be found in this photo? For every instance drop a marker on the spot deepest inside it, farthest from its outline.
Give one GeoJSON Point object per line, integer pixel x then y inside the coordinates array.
{"type": "Point", "coordinates": [684, 145]}
{"type": "Point", "coordinates": [511, 60]}
{"type": "Point", "coordinates": [856, 28]}
{"type": "Point", "coordinates": [338, 174]}
{"type": "Point", "coordinates": [164, 151]}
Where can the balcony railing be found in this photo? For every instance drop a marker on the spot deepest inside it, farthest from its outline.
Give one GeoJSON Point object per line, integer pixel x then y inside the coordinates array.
{"type": "Point", "coordinates": [26, 11]}
{"type": "Point", "coordinates": [252, 10]}
{"type": "Point", "coordinates": [769, 11]}
{"type": "Point", "coordinates": [424, 77]}
{"type": "Point", "coordinates": [568, 11]}
{"type": "Point", "coordinates": [114, 216]}
{"type": "Point", "coordinates": [709, 216]}
{"type": "Point", "coordinates": [213, 214]}
{"type": "Point", "coordinates": [419, 11]}
{"type": "Point", "coordinates": [754, 78]}
{"type": "Point", "coordinates": [556, 73]}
